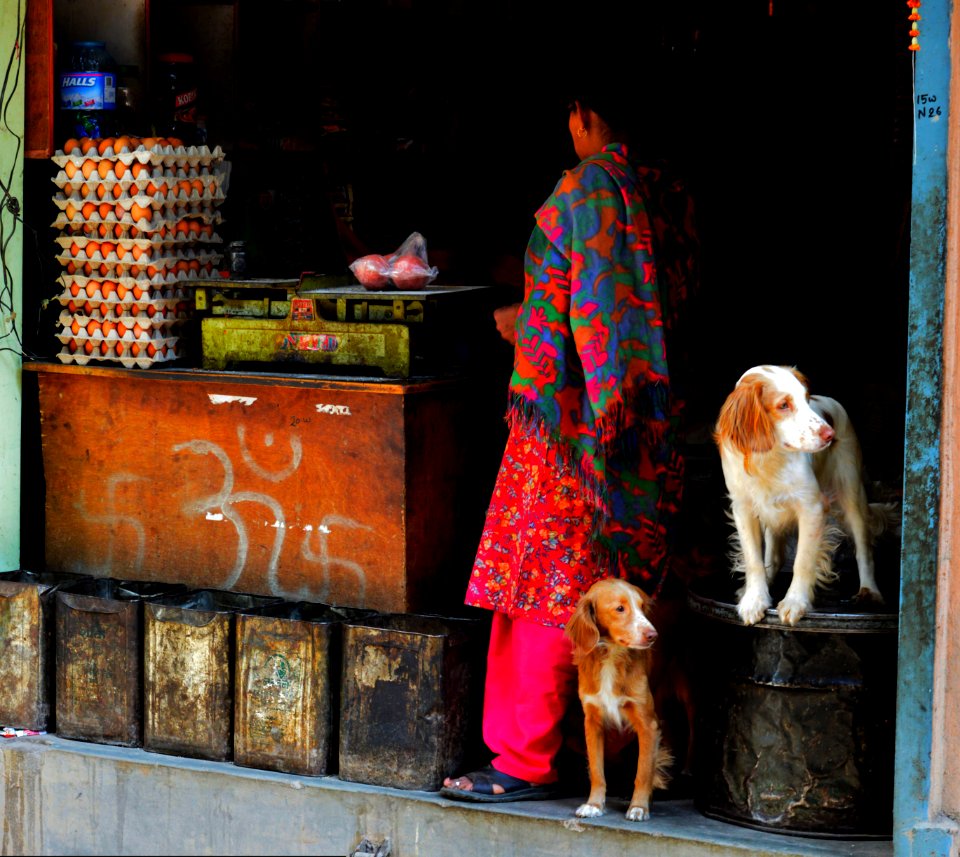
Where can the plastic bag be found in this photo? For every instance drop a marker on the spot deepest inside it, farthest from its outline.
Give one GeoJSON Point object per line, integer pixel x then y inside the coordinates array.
{"type": "Point", "coordinates": [406, 268]}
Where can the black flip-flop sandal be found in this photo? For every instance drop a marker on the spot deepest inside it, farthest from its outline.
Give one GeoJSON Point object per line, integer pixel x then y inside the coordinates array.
{"type": "Point", "coordinates": [513, 788]}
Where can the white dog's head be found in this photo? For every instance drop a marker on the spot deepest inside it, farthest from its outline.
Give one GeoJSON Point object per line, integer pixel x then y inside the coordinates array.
{"type": "Point", "coordinates": [770, 407]}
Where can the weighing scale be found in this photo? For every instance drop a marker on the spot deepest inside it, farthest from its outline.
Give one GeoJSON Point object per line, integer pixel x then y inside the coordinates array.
{"type": "Point", "coordinates": [333, 322]}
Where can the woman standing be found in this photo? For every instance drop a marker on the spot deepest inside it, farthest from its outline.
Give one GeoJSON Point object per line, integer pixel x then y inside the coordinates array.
{"type": "Point", "coordinates": [591, 475]}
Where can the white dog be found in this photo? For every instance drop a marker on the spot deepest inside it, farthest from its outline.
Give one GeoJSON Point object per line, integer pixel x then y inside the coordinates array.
{"type": "Point", "coordinates": [792, 463]}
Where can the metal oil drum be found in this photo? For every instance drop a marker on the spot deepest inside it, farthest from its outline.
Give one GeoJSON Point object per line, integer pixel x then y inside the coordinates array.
{"type": "Point", "coordinates": [28, 648]}
{"type": "Point", "coordinates": [795, 725]}
{"type": "Point", "coordinates": [410, 699]}
{"type": "Point", "coordinates": [100, 659]}
{"type": "Point", "coordinates": [288, 686]}
{"type": "Point", "coordinates": [188, 663]}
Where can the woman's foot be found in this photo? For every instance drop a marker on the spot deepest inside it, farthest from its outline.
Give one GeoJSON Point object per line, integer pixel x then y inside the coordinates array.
{"type": "Point", "coordinates": [488, 785]}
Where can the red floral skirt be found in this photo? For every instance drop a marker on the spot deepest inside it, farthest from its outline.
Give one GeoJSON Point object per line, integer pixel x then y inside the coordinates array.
{"type": "Point", "coordinates": [536, 557]}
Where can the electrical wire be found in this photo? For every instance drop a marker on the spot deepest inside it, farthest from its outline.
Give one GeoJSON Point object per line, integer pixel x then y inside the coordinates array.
{"type": "Point", "coordinates": [9, 204]}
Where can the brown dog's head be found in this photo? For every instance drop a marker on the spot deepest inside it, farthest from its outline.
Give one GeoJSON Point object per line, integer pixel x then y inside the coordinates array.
{"type": "Point", "coordinates": [612, 611]}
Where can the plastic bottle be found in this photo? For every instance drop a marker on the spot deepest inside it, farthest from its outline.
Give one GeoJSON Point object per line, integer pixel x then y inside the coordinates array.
{"type": "Point", "coordinates": [87, 86]}
{"type": "Point", "coordinates": [175, 98]}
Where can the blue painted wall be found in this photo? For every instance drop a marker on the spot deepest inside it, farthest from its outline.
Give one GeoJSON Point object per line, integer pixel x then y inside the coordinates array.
{"type": "Point", "coordinates": [921, 509]}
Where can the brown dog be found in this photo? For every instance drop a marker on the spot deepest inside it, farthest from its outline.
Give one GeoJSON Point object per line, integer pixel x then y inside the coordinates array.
{"type": "Point", "coordinates": [611, 638]}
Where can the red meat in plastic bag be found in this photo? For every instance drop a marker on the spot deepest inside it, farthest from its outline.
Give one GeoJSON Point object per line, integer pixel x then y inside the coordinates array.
{"type": "Point", "coordinates": [372, 272]}
{"type": "Point", "coordinates": [411, 272]}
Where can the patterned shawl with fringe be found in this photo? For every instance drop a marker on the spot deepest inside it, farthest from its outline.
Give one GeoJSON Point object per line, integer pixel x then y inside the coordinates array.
{"type": "Point", "coordinates": [590, 366]}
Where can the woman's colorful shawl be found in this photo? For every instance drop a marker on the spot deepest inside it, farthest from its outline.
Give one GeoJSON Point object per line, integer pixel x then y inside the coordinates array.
{"type": "Point", "coordinates": [590, 366]}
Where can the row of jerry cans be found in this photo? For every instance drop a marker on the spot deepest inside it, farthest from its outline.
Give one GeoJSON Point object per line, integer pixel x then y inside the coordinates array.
{"type": "Point", "coordinates": [296, 687]}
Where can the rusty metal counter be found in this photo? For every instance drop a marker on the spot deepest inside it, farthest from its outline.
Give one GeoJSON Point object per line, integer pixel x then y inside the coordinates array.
{"type": "Point", "coordinates": [356, 492]}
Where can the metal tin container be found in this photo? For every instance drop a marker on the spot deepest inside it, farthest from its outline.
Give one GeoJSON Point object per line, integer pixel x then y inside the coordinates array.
{"type": "Point", "coordinates": [409, 693]}
{"type": "Point", "coordinates": [188, 672]}
{"type": "Point", "coordinates": [100, 659]}
{"type": "Point", "coordinates": [237, 259]}
{"type": "Point", "coordinates": [796, 723]}
{"type": "Point", "coordinates": [28, 648]}
{"type": "Point", "coordinates": [288, 687]}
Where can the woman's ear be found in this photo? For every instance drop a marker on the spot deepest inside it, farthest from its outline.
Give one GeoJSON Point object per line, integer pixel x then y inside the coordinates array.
{"type": "Point", "coordinates": [583, 116]}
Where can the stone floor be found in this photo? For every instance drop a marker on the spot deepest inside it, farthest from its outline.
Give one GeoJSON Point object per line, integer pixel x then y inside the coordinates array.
{"type": "Point", "coordinates": [63, 797]}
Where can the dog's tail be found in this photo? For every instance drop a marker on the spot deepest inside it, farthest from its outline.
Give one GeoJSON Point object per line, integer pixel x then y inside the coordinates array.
{"type": "Point", "coordinates": [662, 765]}
{"type": "Point", "coordinates": [883, 518]}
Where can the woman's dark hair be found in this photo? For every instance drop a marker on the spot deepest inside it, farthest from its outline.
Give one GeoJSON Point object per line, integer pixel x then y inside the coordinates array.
{"type": "Point", "coordinates": [615, 100]}
{"type": "Point", "coordinates": [620, 91]}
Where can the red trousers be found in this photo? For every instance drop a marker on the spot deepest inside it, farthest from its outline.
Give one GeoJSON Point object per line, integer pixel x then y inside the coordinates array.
{"type": "Point", "coordinates": [531, 681]}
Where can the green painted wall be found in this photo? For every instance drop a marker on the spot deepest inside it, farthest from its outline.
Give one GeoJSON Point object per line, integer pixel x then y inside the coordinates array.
{"type": "Point", "coordinates": [12, 15]}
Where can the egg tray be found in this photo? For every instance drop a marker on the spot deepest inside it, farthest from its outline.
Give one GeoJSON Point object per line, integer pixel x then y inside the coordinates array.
{"type": "Point", "coordinates": [117, 234]}
{"type": "Point", "coordinates": [177, 199]}
{"type": "Point", "coordinates": [149, 186]}
{"type": "Point", "coordinates": [139, 176]}
{"type": "Point", "coordinates": [168, 156]}
{"type": "Point", "coordinates": [181, 273]}
{"type": "Point", "coordinates": [128, 328]}
{"type": "Point", "coordinates": [142, 360]}
{"type": "Point", "coordinates": [76, 210]}
{"type": "Point", "coordinates": [162, 258]}
{"type": "Point", "coordinates": [195, 228]}
{"type": "Point", "coordinates": [150, 246]}
{"type": "Point", "coordinates": [112, 307]}
{"type": "Point", "coordinates": [123, 290]}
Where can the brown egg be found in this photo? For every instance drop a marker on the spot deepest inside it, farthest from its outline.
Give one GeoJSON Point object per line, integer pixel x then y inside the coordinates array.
{"type": "Point", "coordinates": [138, 212]}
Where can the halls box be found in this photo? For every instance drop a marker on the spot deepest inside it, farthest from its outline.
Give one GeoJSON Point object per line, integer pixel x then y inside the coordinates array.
{"type": "Point", "coordinates": [357, 493]}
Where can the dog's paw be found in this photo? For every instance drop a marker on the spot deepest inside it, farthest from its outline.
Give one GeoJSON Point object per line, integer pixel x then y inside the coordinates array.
{"type": "Point", "coordinates": [869, 596]}
{"type": "Point", "coordinates": [638, 813]}
{"type": "Point", "coordinates": [589, 810]}
{"type": "Point", "coordinates": [753, 604]}
{"type": "Point", "coordinates": [792, 609]}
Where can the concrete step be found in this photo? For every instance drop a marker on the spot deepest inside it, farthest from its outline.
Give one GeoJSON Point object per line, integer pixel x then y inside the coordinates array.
{"type": "Point", "coordinates": [63, 797]}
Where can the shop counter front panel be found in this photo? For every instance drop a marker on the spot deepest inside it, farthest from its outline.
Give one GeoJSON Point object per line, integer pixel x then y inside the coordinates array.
{"type": "Point", "coordinates": [342, 492]}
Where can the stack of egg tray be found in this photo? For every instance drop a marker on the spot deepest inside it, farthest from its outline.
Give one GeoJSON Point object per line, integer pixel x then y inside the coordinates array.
{"type": "Point", "coordinates": [137, 222]}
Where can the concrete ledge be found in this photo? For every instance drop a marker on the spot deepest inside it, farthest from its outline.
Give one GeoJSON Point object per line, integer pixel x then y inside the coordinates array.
{"type": "Point", "coordinates": [64, 797]}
